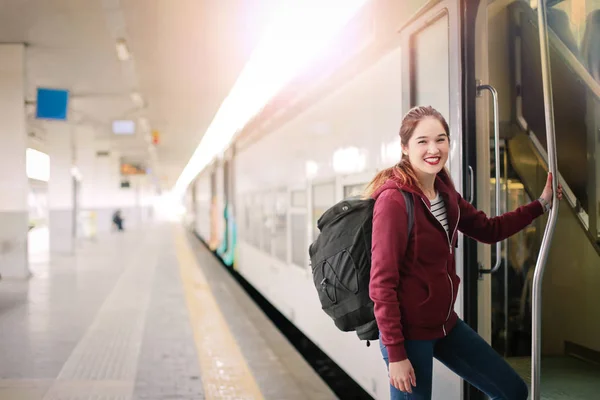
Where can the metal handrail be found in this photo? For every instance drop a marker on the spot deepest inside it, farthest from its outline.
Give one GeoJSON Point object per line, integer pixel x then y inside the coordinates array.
{"type": "Point", "coordinates": [471, 185]}
{"type": "Point", "coordinates": [536, 345]}
{"type": "Point", "coordinates": [494, 94]}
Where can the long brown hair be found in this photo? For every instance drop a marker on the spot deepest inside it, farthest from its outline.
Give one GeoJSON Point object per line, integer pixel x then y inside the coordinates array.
{"type": "Point", "coordinates": [403, 171]}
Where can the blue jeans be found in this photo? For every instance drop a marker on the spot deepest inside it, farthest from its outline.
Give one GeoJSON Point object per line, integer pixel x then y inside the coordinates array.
{"type": "Point", "coordinates": [468, 355]}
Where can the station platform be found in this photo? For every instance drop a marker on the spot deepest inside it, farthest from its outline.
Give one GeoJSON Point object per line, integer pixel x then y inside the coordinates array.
{"type": "Point", "coordinates": [145, 314]}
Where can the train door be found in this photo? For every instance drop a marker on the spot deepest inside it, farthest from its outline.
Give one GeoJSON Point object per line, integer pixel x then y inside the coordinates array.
{"type": "Point", "coordinates": [431, 44]}
{"type": "Point", "coordinates": [516, 107]}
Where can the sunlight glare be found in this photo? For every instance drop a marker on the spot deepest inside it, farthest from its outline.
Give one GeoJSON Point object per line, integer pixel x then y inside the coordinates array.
{"type": "Point", "coordinates": [301, 30]}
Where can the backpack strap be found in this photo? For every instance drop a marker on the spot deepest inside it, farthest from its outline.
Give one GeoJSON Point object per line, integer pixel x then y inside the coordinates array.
{"type": "Point", "coordinates": [408, 199]}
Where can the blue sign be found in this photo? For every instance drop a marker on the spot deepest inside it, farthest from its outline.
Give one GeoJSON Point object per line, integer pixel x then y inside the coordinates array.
{"type": "Point", "coordinates": [52, 104]}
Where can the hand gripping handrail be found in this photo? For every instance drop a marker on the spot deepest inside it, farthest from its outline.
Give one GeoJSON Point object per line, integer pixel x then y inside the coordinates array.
{"type": "Point", "coordinates": [497, 168]}
{"type": "Point", "coordinates": [536, 343]}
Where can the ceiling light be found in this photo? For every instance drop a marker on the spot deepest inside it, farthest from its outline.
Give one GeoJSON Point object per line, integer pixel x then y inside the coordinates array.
{"type": "Point", "coordinates": [137, 99]}
{"type": "Point", "coordinates": [37, 165]}
{"type": "Point", "coordinates": [349, 160]}
{"type": "Point", "coordinates": [311, 169]}
{"type": "Point", "coordinates": [144, 124]}
{"type": "Point", "coordinates": [122, 50]}
{"type": "Point", "coordinates": [75, 173]}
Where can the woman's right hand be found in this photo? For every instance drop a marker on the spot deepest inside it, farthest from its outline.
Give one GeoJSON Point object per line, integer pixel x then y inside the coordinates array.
{"type": "Point", "coordinates": [547, 193]}
{"type": "Point", "coordinates": [402, 375]}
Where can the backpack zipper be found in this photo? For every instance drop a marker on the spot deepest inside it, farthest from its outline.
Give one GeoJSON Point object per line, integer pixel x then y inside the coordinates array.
{"type": "Point", "coordinates": [450, 248]}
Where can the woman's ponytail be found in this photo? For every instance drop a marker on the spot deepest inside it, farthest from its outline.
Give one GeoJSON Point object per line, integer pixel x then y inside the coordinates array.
{"type": "Point", "coordinates": [402, 172]}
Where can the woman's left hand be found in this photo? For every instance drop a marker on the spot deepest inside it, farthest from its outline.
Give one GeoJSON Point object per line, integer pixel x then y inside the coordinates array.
{"type": "Point", "coordinates": [547, 193]}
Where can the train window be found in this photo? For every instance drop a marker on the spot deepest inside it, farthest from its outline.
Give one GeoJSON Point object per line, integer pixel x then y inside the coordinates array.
{"type": "Point", "coordinates": [323, 197]}
{"type": "Point", "coordinates": [280, 242]}
{"type": "Point", "coordinates": [354, 190]}
{"type": "Point", "coordinates": [203, 207]}
{"type": "Point", "coordinates": [298, 227]}
{"type": "Point", "coordinates": [245, 225]}
{"type": "Point", "coordinates": [299, 243]}
{"type": "Point", "coordinates": [267, 225]}
{"type": "Point", "coordinates": [431, 66]}
{"type": "Point", "coordinates": [298, 198]}
{"type": "Point", "coordinates": [255, 211]}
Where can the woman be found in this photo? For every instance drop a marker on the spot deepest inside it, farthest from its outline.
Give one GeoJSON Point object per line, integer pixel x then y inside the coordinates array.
{"type": "Point", "coordinates": [413, 279]}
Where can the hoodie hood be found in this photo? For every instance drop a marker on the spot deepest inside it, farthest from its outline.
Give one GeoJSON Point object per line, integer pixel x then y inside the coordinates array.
{"type": "Point", "coordinates": [393, 183]}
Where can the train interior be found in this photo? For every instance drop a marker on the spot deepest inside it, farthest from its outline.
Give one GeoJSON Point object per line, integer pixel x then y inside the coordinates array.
{"type": "Point", "coordinates": [570, 317]}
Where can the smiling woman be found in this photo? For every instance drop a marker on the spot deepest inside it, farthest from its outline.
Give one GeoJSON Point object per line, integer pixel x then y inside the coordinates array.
{"type": "Point", "coordinates": [427, 146]}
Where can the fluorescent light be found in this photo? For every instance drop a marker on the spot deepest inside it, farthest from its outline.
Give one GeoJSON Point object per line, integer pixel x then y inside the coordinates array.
{"type": "Point", "coordinates": [122, 50]}
{"type": "Point", "coordinates": [391, 153]}
{"type": "Point", "coordinates": [311, 169]}
{"type": "Point", "coordinates": [137, 99]}
{"type": "Point", "coordinates": [349, 160]}
{"type": "Point", "coordinates": [286, 48]}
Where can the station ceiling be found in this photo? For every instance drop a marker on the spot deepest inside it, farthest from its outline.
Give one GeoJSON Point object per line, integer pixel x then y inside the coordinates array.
{"type": "Point", "coordinates": [185, 56]}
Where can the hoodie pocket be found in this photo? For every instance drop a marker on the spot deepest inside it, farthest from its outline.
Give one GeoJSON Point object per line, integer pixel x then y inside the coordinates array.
{"type": "Point", "coordinates": [434, 310]}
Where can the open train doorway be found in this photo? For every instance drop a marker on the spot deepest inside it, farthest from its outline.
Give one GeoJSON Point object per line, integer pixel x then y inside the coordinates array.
{"type": "Point", "coordinates": [510, 61]}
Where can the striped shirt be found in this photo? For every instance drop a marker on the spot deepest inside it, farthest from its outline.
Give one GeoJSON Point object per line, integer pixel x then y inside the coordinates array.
{"type": "Point", "coordinates": [438, 208]}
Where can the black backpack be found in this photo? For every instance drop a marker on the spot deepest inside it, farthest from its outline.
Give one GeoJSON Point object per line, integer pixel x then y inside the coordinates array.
{"type": "Point", "coordinates": [341, 264]}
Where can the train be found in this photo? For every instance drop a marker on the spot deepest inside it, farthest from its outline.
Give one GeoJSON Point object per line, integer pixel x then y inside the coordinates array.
{"type": "Point", "coordinates": [325, 135]}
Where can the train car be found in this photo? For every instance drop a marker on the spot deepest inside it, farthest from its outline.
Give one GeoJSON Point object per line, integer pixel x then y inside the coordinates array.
{"type": "Point", "coordinates": [327, 133]}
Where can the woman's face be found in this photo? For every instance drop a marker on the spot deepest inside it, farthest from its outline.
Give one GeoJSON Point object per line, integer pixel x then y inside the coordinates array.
{"type": "Point", "coordinates": [428, 147]}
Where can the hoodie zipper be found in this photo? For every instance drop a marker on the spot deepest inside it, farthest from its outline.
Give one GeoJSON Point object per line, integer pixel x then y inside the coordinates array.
{"type": "Point", "coordinates": [450, 240]}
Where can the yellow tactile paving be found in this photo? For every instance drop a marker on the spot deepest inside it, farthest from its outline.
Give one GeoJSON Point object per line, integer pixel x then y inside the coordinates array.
{"type": "Point", "coordinates": [225, 373]}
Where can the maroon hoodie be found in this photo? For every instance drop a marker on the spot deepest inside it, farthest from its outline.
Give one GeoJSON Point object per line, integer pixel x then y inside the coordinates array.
{"type": "Point", "coordinates": [413, 279]}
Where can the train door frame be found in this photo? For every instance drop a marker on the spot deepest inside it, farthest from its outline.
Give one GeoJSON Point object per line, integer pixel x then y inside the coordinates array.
{"type": "Point", "coordinates": [475, 70]}
{"type": "Point", "coordinates": [474, 14]}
